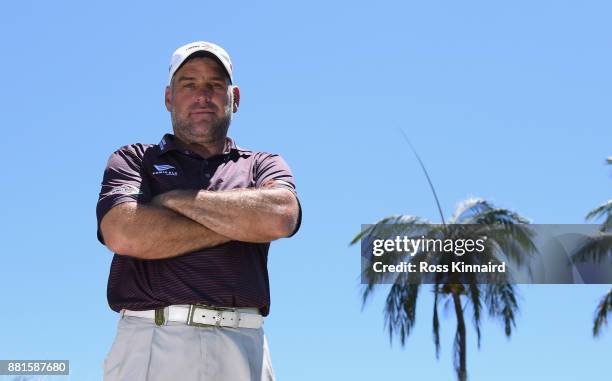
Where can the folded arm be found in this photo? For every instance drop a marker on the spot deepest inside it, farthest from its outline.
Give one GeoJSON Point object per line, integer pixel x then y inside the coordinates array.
{"type": "Point", "coordinates": [153, 232]}
{"type": "Point", "coordinates": [251, 215]}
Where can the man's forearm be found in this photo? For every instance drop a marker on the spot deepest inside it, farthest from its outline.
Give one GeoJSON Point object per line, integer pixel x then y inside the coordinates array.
{"type": "Point", "coordinates": [154, 232]}
{"type": "Point", "coordinates": [251, 215]}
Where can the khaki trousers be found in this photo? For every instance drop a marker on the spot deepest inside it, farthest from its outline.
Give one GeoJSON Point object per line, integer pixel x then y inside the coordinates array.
{"type": "Point", "coordinates": [143, 351]}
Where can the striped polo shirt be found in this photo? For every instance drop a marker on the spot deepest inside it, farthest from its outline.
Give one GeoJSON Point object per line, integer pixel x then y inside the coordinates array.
{"type": "Point", "coordinates": [233, 274]}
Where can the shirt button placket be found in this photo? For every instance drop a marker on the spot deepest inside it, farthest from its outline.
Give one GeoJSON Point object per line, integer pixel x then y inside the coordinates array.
{"type": "Point", "coordinates": [205, 174]}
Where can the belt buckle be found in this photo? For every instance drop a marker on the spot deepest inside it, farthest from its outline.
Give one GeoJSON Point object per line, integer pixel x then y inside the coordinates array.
{"type": "Point", "coordinates": [217, 318]}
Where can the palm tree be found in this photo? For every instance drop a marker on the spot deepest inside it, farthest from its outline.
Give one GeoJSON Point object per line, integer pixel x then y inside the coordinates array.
{"type": "Point", "coordinates": [596, 248]}
{"type": "Point", "coordinates": [508, 238]}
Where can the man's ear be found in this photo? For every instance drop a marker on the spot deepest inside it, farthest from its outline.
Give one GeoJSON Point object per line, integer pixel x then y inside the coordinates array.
{"type": "Point", "coordinates": [236, 94]}
{"type": "Point", "coordinates": [168, 99]}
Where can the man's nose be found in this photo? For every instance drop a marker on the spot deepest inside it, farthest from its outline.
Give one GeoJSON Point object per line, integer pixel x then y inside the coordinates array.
{"type": "Point", "coordinates": [204, 93]}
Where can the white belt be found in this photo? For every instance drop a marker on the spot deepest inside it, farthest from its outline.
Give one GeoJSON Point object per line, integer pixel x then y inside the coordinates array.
{"type": "Point", "coordinates": [202, 316]}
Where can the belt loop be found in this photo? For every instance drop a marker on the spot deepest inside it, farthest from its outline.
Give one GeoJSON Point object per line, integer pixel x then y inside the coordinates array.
{"type": "Point", "coordinates": [122, 313]}
{"type": "Point", "coordinates": [237, 318]}
{"type": "Point", "coordinates": [166, 315]}
{"type": "Point", "coordinates": [159, 316]}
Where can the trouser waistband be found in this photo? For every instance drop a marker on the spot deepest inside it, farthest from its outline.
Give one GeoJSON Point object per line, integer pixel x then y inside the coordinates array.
{"type": "Point", "coordinates": [202, 316]}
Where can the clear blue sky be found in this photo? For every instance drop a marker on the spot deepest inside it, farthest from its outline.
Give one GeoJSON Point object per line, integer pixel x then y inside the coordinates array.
{"type": "Point", "coordinates": [507, 101]}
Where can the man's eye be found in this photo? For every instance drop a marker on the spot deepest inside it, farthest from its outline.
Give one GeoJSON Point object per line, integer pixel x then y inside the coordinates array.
{"type": "Point", "coordinates": [189, 86]}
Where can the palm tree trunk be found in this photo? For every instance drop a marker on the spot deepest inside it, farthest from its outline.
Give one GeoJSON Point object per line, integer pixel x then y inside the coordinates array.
{"type": "Point", "coordinates": [462, 371]}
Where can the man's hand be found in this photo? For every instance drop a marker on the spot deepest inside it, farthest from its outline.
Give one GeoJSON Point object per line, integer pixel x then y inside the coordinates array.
{"type": "Point", "coordinates": [250, 215]}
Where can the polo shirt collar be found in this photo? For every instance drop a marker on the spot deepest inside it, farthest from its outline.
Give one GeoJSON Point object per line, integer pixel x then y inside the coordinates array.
{"type": "Point", "coordinates": [170, 143]}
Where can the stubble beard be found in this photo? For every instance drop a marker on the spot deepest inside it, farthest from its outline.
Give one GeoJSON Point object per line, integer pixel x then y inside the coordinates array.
{"type": "Point", "coordinates": [217, 130]}
{"type": "Point", "coordinates": [186, 130]}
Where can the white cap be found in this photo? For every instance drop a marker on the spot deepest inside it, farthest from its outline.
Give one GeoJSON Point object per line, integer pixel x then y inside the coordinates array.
{"type": "Point", "coordinates": [181, 54]}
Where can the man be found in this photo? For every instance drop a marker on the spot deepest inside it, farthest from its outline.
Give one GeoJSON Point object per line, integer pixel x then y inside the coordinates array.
{"type": "Point", "coordinates": [191, 220]}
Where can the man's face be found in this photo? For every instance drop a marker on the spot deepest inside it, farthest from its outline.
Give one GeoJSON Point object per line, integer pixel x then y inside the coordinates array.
{"type": "Point", "coordinates": [201, 101]}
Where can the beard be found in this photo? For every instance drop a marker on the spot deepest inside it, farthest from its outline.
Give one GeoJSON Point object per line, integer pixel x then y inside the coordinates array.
{"type": "Point", "coordinates": [201, 132]}
{"type": "Point", "coordinates": [204, 132]}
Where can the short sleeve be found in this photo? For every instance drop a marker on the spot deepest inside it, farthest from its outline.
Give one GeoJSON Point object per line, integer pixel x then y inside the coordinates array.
{"type": "Point", "coordinates": [122, 181]}
{"type": "Point", "coordinates": [272, 171]}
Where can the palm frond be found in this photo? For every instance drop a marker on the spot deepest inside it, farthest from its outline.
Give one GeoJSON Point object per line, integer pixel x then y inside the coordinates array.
{"type": "Point", "coordinates": [509, 234]}
{"type": "Point", "coordinates": [517, 250]}
{"type": "Point", "coordinates": [433, 189]}
{"type": "Point", "coordinates": [460, 347]}
{"type": "Point", "coordinates": [603, 210]}
{"type": "Point", "coordinates": [400, 310]}
{"type": "Point", "coordinates": [474, 297]}
{"type": "Point", "coordinates": [596, 248]}
{"type": "Point", "coordinates": [495, 216]}
{"type": "Point", "coordinates": [501, 300]}
{"type": "Point", "coordinates": [436, 322]}
{"type": "Point", "coordinates": [457, 345]}
{"type": "Point", "coordinates": [469, 208]}
{"type": "Point", "coordinates": [601, 313]}
{"type": "Point", "coordinates": [366, 292]}
{"type": "Point", "coordinates": [410, 227]}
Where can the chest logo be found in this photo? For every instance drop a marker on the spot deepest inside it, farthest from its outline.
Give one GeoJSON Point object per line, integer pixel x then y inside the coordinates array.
{"type": "Point", "coordinates": [164, 169]}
